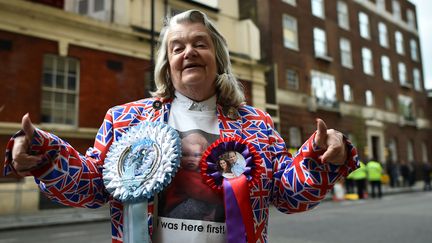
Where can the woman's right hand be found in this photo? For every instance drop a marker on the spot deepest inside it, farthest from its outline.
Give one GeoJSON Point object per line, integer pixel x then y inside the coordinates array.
{"type": "Point", "coordinates": [22, 161]}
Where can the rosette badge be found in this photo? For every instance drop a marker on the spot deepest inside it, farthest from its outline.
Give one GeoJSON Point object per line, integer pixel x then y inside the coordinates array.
{"type": "Point", "coordinates": [140, 164]}
{"type": "Point", "coordinates": [233, 166]}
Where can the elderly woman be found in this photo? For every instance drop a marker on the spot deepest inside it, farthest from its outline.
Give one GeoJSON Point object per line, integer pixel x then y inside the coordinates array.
{"type": "Point", "coordinates": [196, 90]}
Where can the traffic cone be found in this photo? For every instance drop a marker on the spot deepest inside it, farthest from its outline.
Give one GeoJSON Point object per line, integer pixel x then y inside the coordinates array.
{"type": "Point", "coordinates": [338, 192]}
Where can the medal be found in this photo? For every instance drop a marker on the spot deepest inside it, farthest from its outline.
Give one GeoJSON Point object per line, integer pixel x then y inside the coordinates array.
{"type": "Point", "coordinates": [232, 166]}
{"type": "Point", "coordinates": [140, 164]}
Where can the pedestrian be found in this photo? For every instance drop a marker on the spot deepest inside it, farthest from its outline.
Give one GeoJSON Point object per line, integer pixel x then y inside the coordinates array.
{"type": "Point", "coordinates": [405, 173]}
{"type": "Point", "coordinates": [374, 173]}
{"type": "Point", "coordinates": [349, 184]}
{"type": "Point", "coordinates": [411, 173]}
{"type": "Point", "coordinates": [195, 90]}
{"type": "Point", "coordinates": [427, 171]}
{"type": "Point", "coordinates": [359, 176]}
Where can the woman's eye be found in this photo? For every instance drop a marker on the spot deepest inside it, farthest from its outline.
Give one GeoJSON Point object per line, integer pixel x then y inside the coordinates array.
{"type": "Point", "coordinates": [177, 50]}
{"type": "Point", "coordinates": [200, 44]}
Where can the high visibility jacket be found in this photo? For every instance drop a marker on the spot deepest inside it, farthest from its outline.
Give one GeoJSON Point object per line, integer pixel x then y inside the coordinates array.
{"type": "Point", "coordinates": [374, 171]}
{"type": "Point", "coordinates": [360, 173]}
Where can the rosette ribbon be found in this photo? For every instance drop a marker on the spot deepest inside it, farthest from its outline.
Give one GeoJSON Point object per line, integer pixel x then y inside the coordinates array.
{"type": "Point", "coordinates": [138, 165]}
{"type": "Point", "coordinates": [236, 191]}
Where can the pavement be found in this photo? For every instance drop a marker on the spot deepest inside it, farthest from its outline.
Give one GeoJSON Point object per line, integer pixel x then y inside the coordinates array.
{"type": "Point", "coordinates": [50, 217]}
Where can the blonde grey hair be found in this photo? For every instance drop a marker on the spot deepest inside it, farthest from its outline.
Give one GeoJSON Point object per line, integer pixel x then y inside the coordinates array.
{"type": "Point", "coordinates": [229, 91]}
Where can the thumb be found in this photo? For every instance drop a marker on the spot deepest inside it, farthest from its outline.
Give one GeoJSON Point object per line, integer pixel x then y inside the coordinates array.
{"type": "Point", "coordinates": [321, 135]}
{"type": "Point", "coordinates": [27, 127]}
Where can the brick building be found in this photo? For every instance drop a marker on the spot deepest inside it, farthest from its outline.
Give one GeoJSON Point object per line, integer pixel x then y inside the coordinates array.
{"type": "Point", "coordinates": [68, 62]}
{"type": "Point", "coordinates": [354, 63]}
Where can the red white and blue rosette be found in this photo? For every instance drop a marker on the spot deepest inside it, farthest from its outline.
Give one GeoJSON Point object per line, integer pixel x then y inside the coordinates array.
{"type": "Point", "coordinates": [236, 190]}
{"type": "Point", "coordinates": [140, 164]}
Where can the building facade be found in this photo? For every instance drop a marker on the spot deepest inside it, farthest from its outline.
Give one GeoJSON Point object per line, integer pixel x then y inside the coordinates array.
{"type": "Point", "coordinates": [354, 63]}
{"type": "Point", "coordinates": [67, 62]}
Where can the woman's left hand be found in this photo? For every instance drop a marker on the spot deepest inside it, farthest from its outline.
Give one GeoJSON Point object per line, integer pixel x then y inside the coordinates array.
{"type": "Point", "coordinates": [332, 142]}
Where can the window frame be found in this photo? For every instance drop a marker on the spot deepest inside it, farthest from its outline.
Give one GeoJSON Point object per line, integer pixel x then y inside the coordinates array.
{"type": "Point", "coordinates": [367, 60]}
{"type": "Point", "coordinates": [320, 42]}
{"type": "Point", "coordinates": [399, 42]}
{"type": "Point", "coordinates": [346, 52]}
{"type": "Point", "coordinates": [386, 68]}
{"type": "Point", "coordinates": [58, 112]}
{"type": "Point", "coordinates": [383, 35]}
{"type": "Point", "coordinates": [364, 25]}
{"type": "Point", "coordinates": [318, 8]}
{"type": "Point", "coordinates": [294, 31]}
{"type": "Point", "coordinates": [343, 14]}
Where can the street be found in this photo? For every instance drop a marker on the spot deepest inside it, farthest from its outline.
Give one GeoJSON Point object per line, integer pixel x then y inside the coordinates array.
{"type": "Point", "coordinates": [397, 218]}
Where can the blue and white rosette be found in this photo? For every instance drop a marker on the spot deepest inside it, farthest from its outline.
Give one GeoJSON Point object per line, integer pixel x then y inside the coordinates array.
{"type": "Point", "coordinates": [140, 164]}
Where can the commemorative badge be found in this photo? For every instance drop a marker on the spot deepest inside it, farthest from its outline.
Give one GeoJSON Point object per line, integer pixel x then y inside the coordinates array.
{"type": "Point", "coordinates": [232, 166]}
{"type": "Point", "coordinates": [140, 164]}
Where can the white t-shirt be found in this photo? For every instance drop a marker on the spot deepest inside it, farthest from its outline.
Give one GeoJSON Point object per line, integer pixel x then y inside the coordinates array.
{"type": "Point", "coordinates": [188, 210]}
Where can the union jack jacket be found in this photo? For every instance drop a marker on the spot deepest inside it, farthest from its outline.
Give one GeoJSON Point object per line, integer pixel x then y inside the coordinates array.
{"type": "Point", "coordinates": [291, 184]}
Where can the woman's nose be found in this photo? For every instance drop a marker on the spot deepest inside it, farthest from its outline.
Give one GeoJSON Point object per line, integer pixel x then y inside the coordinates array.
{"type": "Point", "coordinates": [190, 51]}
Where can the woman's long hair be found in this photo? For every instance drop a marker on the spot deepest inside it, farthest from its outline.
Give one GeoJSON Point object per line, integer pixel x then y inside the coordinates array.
{"type": "Point", "coordinates": [229, 91]}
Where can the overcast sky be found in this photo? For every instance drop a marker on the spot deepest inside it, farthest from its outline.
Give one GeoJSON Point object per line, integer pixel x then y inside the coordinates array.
{"type": "Point", "coordinates": [424, 21]}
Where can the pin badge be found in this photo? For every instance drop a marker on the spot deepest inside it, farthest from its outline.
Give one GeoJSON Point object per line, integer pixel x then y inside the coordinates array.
{"type": "Point", "coordinates": [157, 104]}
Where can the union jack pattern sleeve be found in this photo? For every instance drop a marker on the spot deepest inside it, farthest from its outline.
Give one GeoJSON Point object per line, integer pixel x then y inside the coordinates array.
{"type": "Point", "coordinates": [67, 177]}
{"type": "Point", "coordinates": [302, 181]}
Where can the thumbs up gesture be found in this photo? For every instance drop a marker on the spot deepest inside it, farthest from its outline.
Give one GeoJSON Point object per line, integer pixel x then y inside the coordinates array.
{"type": "Point", "coordinates": [332, 142]}
{"type": "Point", "coordinates": [22, 161]}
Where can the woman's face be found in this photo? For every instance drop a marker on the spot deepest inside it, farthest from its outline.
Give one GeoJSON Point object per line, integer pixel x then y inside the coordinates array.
{"type": "Point", "coordinates": [223, 165]}
{"type": "Point", "coordinates": [192, 60]}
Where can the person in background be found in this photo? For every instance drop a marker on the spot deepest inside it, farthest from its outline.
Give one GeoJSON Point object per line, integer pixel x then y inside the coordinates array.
{"type": "Point", "coordinates": [359, 177]}
{"type": "Point", "coordinates": [427, 170]}
{"type": "Point", "coordinates": [374, 173]}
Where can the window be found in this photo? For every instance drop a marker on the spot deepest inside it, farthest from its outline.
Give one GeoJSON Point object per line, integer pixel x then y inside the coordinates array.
{"type": "Point", "coordinates": [402, 74]}
{"type": "Point", "coordinates": [406, 107]}
{"type": "Point", "coordinates": [290, 32]}
{"type": "Point", "coordinates": [98, 9]}
{"type": "Point", "coordinates": [411, 19]}
{"type": "Point", "coordinates": [60, 90]}
{"type": "Point", "coordinates": [83, 7]}
{"type": "Point", "coordinates": [320, 42]}
{"type": "Point", "coordinates": [295, 140]}
{"type": "Point", "coordinates": [347, 93]}
{"type": "Point", "coordinates": [389, 105]}
{"type": "Point", "coordinates": [369, 98]}
{"type": "Point", "coordinates": [345, 50]}
{"type": "Point", "coordinates": [292, 79]}
{"type": "Point", "coordinates": [414, 52]}
{"type": "Point", "coordinates": [98, 5]}
{"type": "Point", "coordinates": [364, 25]}
{"type": "Point", "coordinates": [209, 3]}
{"type": "Point", "coordinates": [396, 9]}
{"type": "Point", "coordinates": [417, 79]}
{"type": "Point", "coordinates": [383, 35]}
{"type": "Point", "coordinates": [386, 68]}
{"type": "Point", "coordinates": [318, 8]}
{"type": "Point", "coordinates": [399, 43]}
{"type": "Point", "coordinates": [392, 147]}
{"type": "Point", "coordinates": [381, 4]}
{"type": "Point", "coordinates": [367, 61]}
{"type": "Point", "coordinates": [324, 89]}
{"type": "Point", "coordinates": [343, 16]}
{"type": "Point", "coordinates": [410, 151]}
{"type": "Point", "coordinates": [292, 2]}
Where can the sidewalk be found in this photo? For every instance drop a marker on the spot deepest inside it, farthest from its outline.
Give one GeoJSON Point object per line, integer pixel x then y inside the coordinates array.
{"type": "Point", "coordinates": [387, 190]}
{"type": "Point", "coordinates": [50, 217]}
